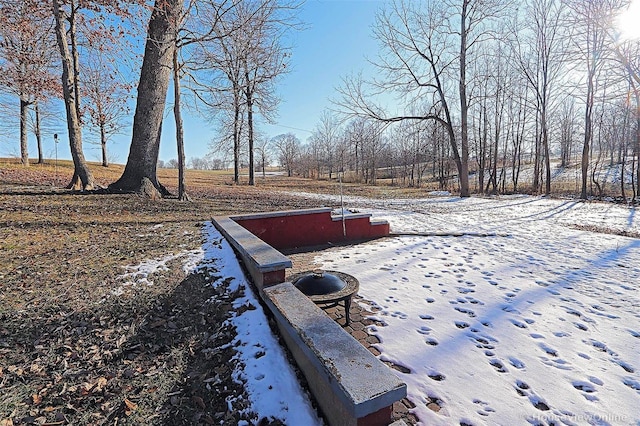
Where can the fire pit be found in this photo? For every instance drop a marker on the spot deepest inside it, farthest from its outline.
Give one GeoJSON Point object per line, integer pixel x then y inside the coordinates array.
{"type": "Point", "coordinates": [327, 288]}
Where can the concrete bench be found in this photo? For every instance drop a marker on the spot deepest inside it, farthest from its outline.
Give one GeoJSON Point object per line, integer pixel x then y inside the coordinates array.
{"type": "Point", "coordinates": [351, 385]}
{"type": "Point", "coordinates": [265, 264]}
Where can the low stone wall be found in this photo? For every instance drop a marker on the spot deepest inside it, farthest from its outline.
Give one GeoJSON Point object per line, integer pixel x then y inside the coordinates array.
{"type": "Point", "coordinates": [351, 386]}
{"type": "Point", "coordinates": [309, 227]}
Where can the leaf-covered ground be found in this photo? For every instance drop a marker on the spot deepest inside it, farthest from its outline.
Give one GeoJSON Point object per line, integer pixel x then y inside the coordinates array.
{"type": "Point", "coordinates": [77, 345]}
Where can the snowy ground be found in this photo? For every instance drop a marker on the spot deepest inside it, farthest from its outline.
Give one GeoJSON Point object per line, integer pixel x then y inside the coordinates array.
{"type": "Point", "coordinates": [537, 323]}
{"type": "Point", "coordinates": [525, 320]}
{"type": "Point", "coordinates": [260, 364]}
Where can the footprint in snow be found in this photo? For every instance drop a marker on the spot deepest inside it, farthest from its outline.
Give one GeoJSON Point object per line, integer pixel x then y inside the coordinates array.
{"type": "Point", "coordinates": [538, 403]}
{"type": "Point", "coordinates": [598, 345]}
{"type": "Point", "coordinates": [518, 323]}
{"type": "Point", "coordinates": [635, 334]}
{"type": "Point", "coordinates": [522, 388]}
{"type": "Point", "coordinates": [431, 341]}
{"type": "Point", "coordinates": [461, 324]}
{"type": "Point", "coordinates": [424, 330]}
{"type": "Point", "coordinates": [548, 349]}
{"type": "Point", "coordinates": [558, 363]}
{"type": "Point", "coordinates": [486, 408]}
{"type": "Point", "coordinates": [596, 381]}
{"type": "Point", "coordinates": [427, 317]}
{"type": "Point", "coordinates": [468, 312]}
{"type": "Point", "coordinates": [482, 343]}
{"type": "Point", "coordinates": [586, 388]}
{"type": "Point", "coordinates": [434, 375]}
{"type": "Point", "coordinates": [509, 309]}
{"type": "Point", "coordinates": [633, 384]}
{"type": "Point", "coordinates": [516, 363]}
{"type": "Point", "coordinates": [498, 365]}
{"type": "Point", "coordinates": [625, 366]}
{"type": "Point", "coordinates": [580, 326]}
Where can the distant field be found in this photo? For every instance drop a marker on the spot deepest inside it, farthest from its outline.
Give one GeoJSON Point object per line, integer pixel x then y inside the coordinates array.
{"type": "Point", "coordinates": [200, 183]}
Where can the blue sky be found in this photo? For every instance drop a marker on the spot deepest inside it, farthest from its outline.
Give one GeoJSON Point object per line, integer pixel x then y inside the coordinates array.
{"type": "Point", "coordinates": [336, 42]}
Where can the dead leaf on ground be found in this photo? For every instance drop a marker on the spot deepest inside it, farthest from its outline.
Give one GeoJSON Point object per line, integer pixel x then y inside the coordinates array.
{"type": "Point", "coordinates": [130, 407]}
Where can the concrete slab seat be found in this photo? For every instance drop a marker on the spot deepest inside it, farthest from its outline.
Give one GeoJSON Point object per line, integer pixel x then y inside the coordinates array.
{"type": "Point", "coordinates": [265, 264]}
{"type": "Point", "coordinates": [351, 385]}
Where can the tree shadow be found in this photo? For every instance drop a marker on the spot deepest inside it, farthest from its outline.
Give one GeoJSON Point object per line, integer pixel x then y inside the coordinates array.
{"type": "Point", "coordinates": [145, 359]}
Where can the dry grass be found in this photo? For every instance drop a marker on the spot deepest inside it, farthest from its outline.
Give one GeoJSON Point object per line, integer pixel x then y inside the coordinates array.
{"type": "Point", "coordinates": [73, 350]}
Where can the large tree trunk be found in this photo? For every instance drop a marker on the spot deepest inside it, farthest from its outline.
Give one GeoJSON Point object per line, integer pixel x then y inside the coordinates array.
{"type": "Point", "coordinates": [152, 93]}
{"type": "Point", "coordinates": [82, 177]}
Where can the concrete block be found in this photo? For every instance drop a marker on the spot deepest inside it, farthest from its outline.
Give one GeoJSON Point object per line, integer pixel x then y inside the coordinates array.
{"type": "Point", "coordinates": [348, 382]}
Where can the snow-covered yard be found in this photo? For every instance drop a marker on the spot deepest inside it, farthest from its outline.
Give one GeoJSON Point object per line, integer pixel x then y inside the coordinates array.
{"type": "Point", "coordinates": [536, 323]}
{"type": "Point", "coordinates": [532, 316]}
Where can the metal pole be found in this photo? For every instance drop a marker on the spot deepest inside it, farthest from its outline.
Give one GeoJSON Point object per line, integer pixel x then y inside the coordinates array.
{"type": "Point", "coordinates": [344, 226]}
{"type": "Point", "coordinates": [55, 139]}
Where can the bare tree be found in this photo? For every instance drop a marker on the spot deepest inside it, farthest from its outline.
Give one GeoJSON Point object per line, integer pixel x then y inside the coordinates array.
{"type": "Point", "coordinates": [26, 59]}
{"type": "Point", "coordinates": [288, 148]}
{"type": "Point", "coordinates": [540, 53]}
{"type": "Point", "coordinates": [82, 176]}
{"type": "Point", "coordinates": [106, 92]}
{"type": "Point", "coordinates": [249, 55]}
{"type": "Point", "coordinates": [426, 47]}
{"type": "Point", "coordinates": [326, 137]}
{"type": "Point", "coordinates": [263, 149]}
{"type": "Point", "coordinates": [590, 40]}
